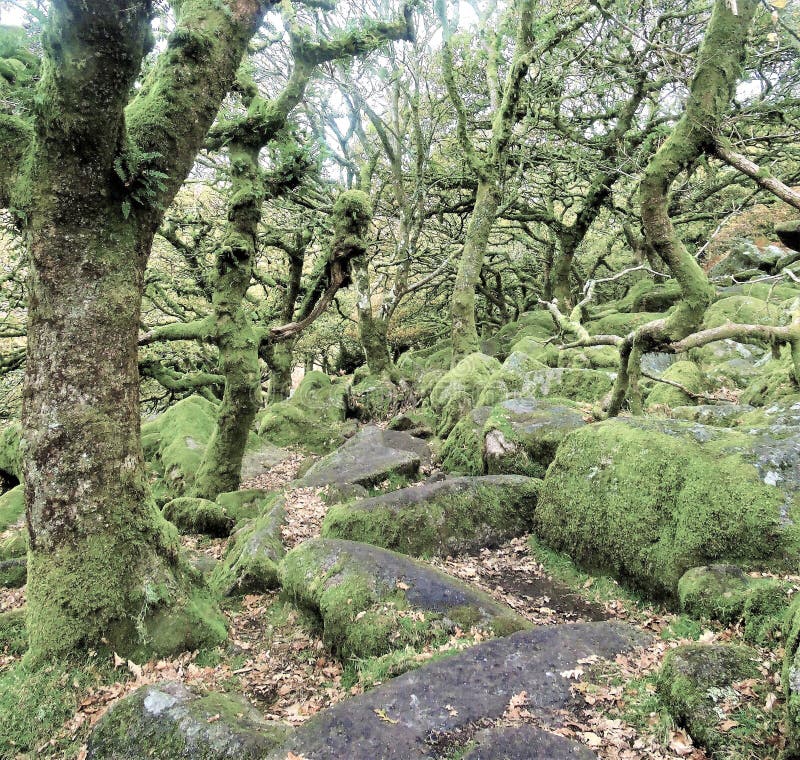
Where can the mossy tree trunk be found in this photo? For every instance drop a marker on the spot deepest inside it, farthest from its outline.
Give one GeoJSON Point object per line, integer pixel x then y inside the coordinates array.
{"type": "Point", "coordinates": [102, 561]}
{"type": "Point", "coordinates": [719, 67]}
{"type": "Point", "coordinates": [372, 329]}
{"type": "Point", "coordinates": [488, 166]}
{"type": "Point", "coordinates": [235, 337]}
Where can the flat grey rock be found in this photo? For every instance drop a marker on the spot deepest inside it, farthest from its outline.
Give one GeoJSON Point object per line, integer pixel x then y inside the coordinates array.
{"type": "Point", "coordinates": [407, 717]}
{"type": "Point", "coordinates": [368, 458]}
{"type": "Point", "coordinates": [262, 460]}
{"type": "Point", "coordinates": [525, 743]}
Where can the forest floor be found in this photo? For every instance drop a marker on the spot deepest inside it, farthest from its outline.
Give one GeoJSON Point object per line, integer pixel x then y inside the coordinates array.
{"type": "Point", "coordinates": [276, 657]}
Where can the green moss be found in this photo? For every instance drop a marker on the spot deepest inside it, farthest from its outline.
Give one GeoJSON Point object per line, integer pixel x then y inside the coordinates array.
{"type": "Point", "coordinates": [36, 702]}
{"type": "Point", "coordinates": [175, 442]}
{"type": "Point", "coordinates": [458, 390]}
{"type": "Point", "coordinates": [689, 375]}
{"type": "Point", "coordinates": [584, 385]}
{"type": "Point", "coordinates": [537, 349]}
{"type": "Point", "coordinates": [743, 310]}
{"type": "Point", "coordinates": [774, 383]}
{"type": "Point", "coordinates": [10, 454]}
{"type": "Point", "coordinates": [462, 452]}
{"type": "Point", "coordinates": [694, 677]}
{"type": "Point", "coordinates": [509, 379]}
{"type": "Point", "coordinates": [192, 515]}
{"type": "Point", "coordinates": [14, 545]}
{"type": "Point", "coordinates": [245, 503]}
{"type": "Point", "coordinates": [441, 518]}
{"type": "Point", "coordinates": [766, 611]}
{"type": "Point", "coordinates": [649, 296]}
{"type": "Point", "coordinates": [592, 357]}
{"type": "Point", "coordinates": [718, 592]}
{"type": "Point", "coordinates": [314, 417]}
{"type": "Point", "coordinates": [647, 506]}
{"type": "Point", "coordinates": [621, 324]}
{"type": "Point", "coordinates": [363, 616]}
{"type": "Point", "coordinates": [12, 507]}
{"type": "Point", "coordinates": [13, 636]}
{"type": "Point", "coordinates": [250, 564]}
{"type": "Point", "coordinates": [375, 397]}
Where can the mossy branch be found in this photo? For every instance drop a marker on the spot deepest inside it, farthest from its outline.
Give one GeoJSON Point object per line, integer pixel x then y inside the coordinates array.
{"type": "Point", "coordinates": [757, 174]}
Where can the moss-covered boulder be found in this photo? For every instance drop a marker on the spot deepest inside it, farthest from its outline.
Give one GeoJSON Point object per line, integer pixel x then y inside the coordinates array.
{"type": "Point", "coordinates": [745, 256]}
{"type": "Point", "coordinates": [590, 357]}
{"type": "Point", "coordinates": [191, 515]}
{"type": "Point", "coordinates": [722, 414]}
{"type": "Point", "coordinates": [536, 324]}
{"type": "Point", "coordinates": [743, 310]}
{"type": "Point", "coordinates": [372, 601]}
{"type": "Point", "coordinates": [445, 517]}
{"type": "Point", "coordinates": [314, 417]}
{"type": "Point", "coordinates": [375, 397]}
{"type": "Point", "coordinates": [645, 500]}
{"type": "Point", "coordinates": [685, 373]}
{"type": "Point", "coordinates": [509, 379]}
{"type": "Point", "coordinates": [12, 507]}
{"type": "Point", "coordinates": [10, 454]}
{"type": "Point", "coordinates": [175, 442]}
{"type": "Point", "coordinates": [789, 234]}
{"type": "Point", "coordinates": [584, 385]}
{"type": "Point", "coordinates": [621, 324]}
{"type": "Point", "coordinates": [694, 678]}
{"type": "Point", "coordinates": [417, 422]}
{"type": "Point", "coordinates": [369, 457]}
{"type": "Point", "coordinates": [13, 572]}
{"type": "Point", "coordinates": [168, 721]}
{"type": "Point", "coordinates": [521, 435]}
{"type": "Point", "coordinates": [726, 594]}
{"type": "Point", "coordinates": [250, 564]}
{"type": "Point", "coordinates": [462, 452]}
{"type": "Point", "coordinates": [774, 382]}
{"type": "Point", "coordinates": [245, 503]}
{"type": "Point", "coordinates": [458, 390]}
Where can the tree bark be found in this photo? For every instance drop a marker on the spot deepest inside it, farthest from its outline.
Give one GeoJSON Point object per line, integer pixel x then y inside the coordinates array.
{"type": "Point", "coordinates": [104, 569]}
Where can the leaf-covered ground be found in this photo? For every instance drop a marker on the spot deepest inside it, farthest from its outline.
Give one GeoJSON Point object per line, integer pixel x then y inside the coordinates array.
{"type": "Point", "coordinates": [276, 658]}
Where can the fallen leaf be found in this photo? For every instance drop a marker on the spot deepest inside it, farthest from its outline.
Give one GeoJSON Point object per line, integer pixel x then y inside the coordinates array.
{"type": "Point", "coordinates": [383, 716]}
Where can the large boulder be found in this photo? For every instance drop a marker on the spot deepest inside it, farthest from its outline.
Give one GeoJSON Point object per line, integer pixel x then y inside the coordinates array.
{"type": "Point", "coordinates": [174, 444]}
{"type": "Point", "coordinates": [525, 742]}
{"type": "Point", "coordinates": [789, 234]}
{"type": "Point", "coordinates": [375, 397]}
{"type": "Point", "coordinates": [521, 435]}
{"type": "Point", "coordinates": [574, 384]}
{"type": "Point", "coordinates": [370, 599]}
{"type": "Point", "coordinates": [12, 507]}
{"type": "Point", "coordinates": [251, 560]}
{"type": "Point", "coordinates": [745, 256]}
{"type": "Point", "coordinates": [686, 374]}
{"type": "Point", "coordinates": [169, 721]}
{"type": "Point", "coordinates": [368, 458]}
{"type": "Point", "coordinates": [313, 418]}
{"type": "Point", "coordinates": [508, 380]}
{"type": "Point", "coordinates": [648, 499]}
{"type": "Point", "coordinates": [621, 324]}
{"type": "Point", "coordinates": [694, 678]}
{"type": "Point", "coordinates": [458, 390]}
{"type": "Point", "coordinates": [462, 452]}
{"type": "Point", "coordinates": [446, 699]}
{"type": "Point", "coordinates": [10, 455]}
{"type": "Point", "coordinates": [445, 517]}
{"type": "Point", "coordinates": [726, 594]}
{"type": "Point", "coordinates": [742, 309]}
